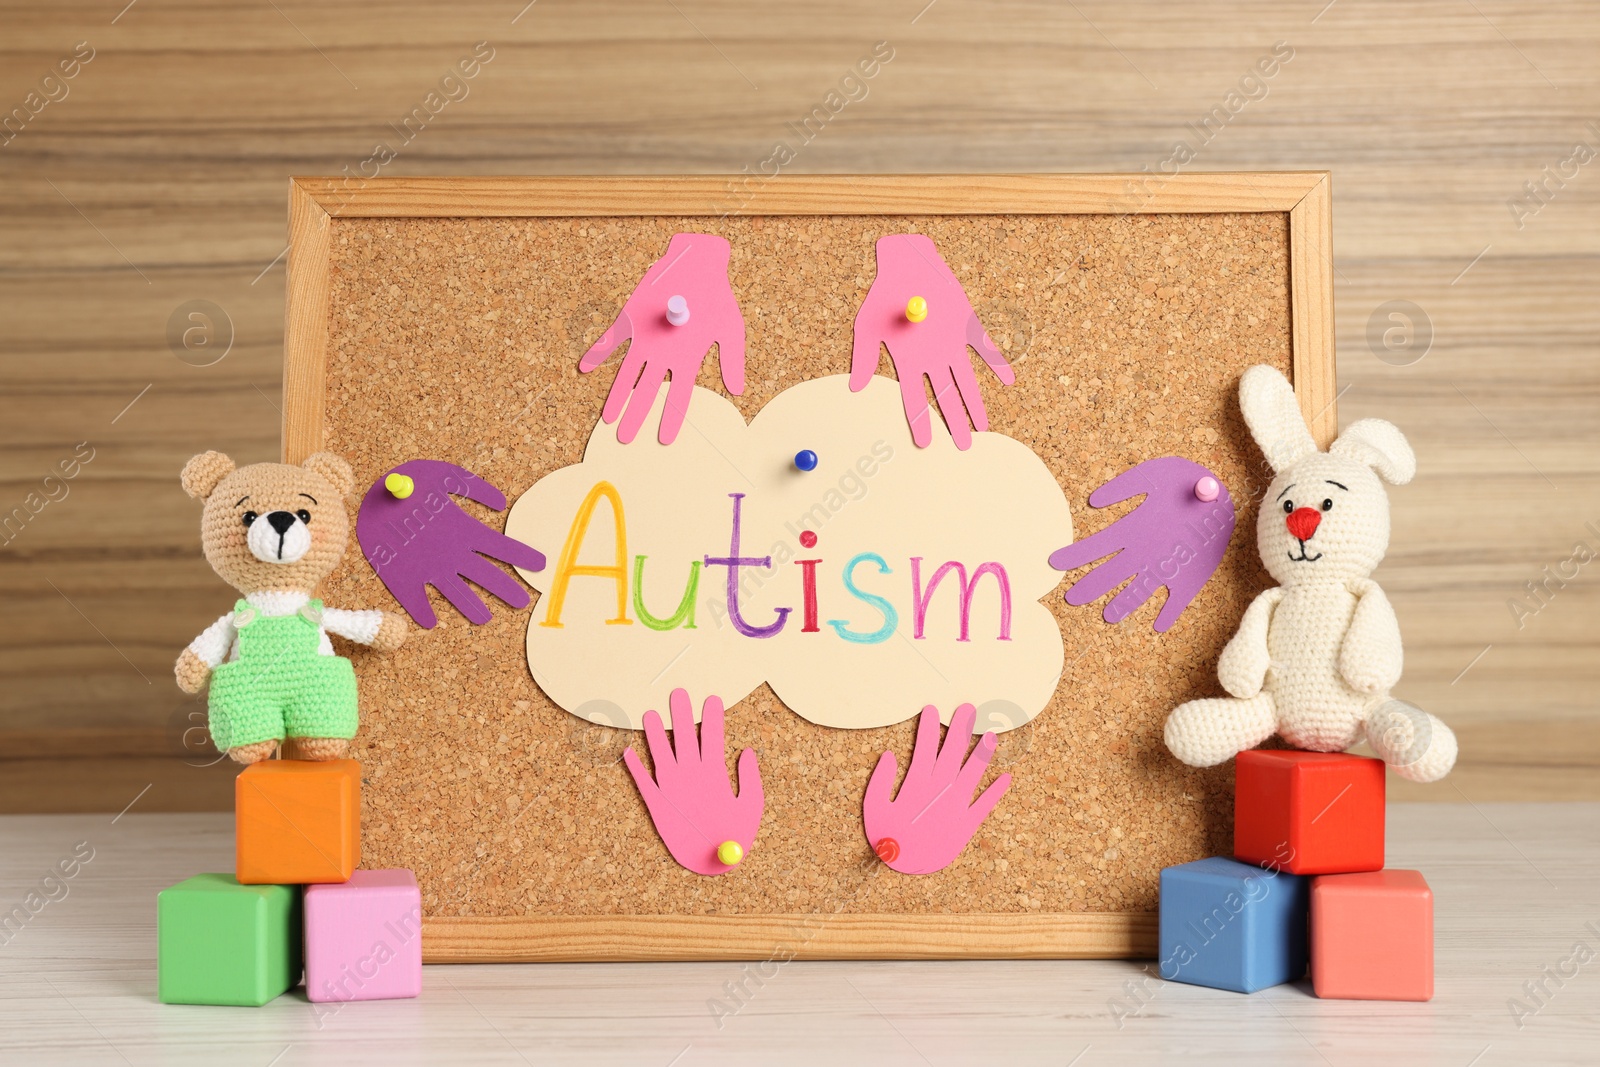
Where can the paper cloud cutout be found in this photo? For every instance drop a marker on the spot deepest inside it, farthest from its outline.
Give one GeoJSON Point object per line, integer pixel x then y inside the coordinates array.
{"type": "Point", "coordinates": [861, 627]}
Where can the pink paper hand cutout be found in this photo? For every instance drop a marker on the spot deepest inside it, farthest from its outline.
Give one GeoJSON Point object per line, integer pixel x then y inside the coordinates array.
{"type": "Point", "coordinates": [1173, 539]}
{"type": "Point", "coordinates": [910, 266]}
{"type": "Point", "coordinates": [925, 827]}
{"type": "Point", "coordinates": [424, 538]}
{"type": "Point", "coordinates": [690, 799]}
{"type": "Point", "coordinates": [693, 279]}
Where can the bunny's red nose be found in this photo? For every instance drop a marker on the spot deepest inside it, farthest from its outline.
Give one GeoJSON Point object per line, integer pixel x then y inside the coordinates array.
{"type": "Point", "coordinates": [1302, 522]}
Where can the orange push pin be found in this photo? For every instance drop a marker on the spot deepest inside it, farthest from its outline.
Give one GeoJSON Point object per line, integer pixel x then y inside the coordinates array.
{"type": "Point", "coordinates": [888, 849]}
{"type": "Point", "coordinates": [916, 309]}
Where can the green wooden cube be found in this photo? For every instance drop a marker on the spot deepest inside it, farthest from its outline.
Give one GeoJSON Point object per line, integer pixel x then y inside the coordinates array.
{"type": "Point", "coordinates": [219, 942]}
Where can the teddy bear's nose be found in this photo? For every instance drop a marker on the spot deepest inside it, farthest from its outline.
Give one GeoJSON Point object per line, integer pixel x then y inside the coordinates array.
{"type": "Point", "coordinates": [282, 520]}
{"type": "Point", "coordinates": [1302, 522]}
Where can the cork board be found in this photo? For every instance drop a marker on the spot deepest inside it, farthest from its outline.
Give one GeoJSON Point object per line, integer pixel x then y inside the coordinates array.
{"type": "Point", "coordinates": [445, 318]}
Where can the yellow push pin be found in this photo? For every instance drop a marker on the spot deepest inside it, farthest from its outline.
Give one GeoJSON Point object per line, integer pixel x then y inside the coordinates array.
{"type": "Point", "coordinates": [400, 485]}
{"type": "Point", "coordinates": [730, 853]}
{"type": "Point", "coordinates": [916, 309]}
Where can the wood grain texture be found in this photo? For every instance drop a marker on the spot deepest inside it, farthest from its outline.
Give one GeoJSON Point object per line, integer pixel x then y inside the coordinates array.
{"type": "Point", "coordinates": [1316, 379]}
{"type": "Point", "coordinates": [161, 179]}
{"type": "Point", "coordinates": [1504, 913]}
{"type": "Point", "coordinates": [660, 938]}
{"type": "Point", "coordinates": [305, 326]}
{"type": "Point", "coordinates": [876, 194]}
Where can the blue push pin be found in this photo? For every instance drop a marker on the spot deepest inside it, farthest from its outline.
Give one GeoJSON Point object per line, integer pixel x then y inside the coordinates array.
{"type": "Point", "coordinates": [805, 460]}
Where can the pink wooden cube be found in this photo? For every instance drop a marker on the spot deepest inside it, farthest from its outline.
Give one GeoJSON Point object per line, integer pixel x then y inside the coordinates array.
{"type": "Point", "coordinates": [364, 938]}
{"type": "Point", "coordinates": [1372, 936]}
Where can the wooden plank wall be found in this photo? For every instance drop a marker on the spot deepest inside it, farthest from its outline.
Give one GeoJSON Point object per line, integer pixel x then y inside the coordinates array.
{"type": "Point", "coordinates": [1459, 137]}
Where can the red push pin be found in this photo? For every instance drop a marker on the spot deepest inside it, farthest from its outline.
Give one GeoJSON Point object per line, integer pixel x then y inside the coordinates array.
{"type": "Point", "coordinates": [888, 850]}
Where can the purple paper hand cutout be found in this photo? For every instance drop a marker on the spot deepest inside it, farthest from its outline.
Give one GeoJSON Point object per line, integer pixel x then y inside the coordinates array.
{"type": "Point", "coordinates": [426, 539]}
{"type": "Point", "coordinates": [690, 800]}
{"type": "Point", "coordinates": [1172, 539]}
{"type": "Point", "coordinates": [693, 278]}
{"type": "Point", "coordinates": [925, 827]}
{"type": "Point", "coordinates": [936, 348]}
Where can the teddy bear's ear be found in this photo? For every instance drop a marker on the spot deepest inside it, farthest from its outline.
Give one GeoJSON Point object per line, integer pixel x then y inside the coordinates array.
{"type": "Point", "coordinates": [204, 473]}
{"type": "Point", "coordinates": [1381, 446]}
{"type": "Point", "coordinates": [1273, 415]}
{"type": "Point", "coordinates": [334, 469]}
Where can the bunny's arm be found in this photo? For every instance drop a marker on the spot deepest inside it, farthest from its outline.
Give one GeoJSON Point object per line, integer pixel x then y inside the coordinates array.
{"type": "Point", "coordinates": [1242, 670]}
{"type": "Point", "coordinates": [1370, 657]}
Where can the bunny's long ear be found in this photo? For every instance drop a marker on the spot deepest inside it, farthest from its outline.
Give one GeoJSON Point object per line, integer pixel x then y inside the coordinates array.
{"type": "Point", "coordinates": [1381, 446]}
{"type": "Point", "coordinates": [1273, 415]}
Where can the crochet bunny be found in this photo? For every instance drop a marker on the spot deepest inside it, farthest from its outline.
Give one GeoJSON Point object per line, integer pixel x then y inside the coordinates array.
{"type": "Point", "coordinates": [1314, 659]}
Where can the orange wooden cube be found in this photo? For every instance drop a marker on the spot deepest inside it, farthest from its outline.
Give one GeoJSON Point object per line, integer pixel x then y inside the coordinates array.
{"type": "Point", "coordinates": [1372, 936]}
{"type": "Point", "coordinates": [297, 822]}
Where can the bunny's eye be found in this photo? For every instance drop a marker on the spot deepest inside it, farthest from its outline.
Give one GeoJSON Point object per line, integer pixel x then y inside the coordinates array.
{"type": "Point", "coordinates": [1288, 506]}
{"type": "Point", "coordinates": [305, 516]}
{"type": "Point", "coordinates": [249, 517]}
{"type": "Point", "coordinates": [1327, 505]}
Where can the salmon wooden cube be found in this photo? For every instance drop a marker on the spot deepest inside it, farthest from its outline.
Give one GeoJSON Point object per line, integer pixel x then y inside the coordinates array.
{"type": "Point", "coordinates": [1372, 936]}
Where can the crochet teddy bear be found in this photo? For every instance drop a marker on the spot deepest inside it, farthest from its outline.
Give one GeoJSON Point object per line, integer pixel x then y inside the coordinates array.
{"type": "Point", "coordinates": [1314, 659]}
{"type": "Point", "coordinates": [273, 531]}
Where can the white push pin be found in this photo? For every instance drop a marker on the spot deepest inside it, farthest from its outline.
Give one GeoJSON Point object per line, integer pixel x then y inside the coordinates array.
{"type": "Point", "coordinates": [1206, 489]}
{"type": "Point", "coordinates": [677, 310]}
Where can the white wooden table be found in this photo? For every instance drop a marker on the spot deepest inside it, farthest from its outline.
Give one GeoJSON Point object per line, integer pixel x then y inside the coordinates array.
{"type": "Point", "coordinates": [1516, 888]}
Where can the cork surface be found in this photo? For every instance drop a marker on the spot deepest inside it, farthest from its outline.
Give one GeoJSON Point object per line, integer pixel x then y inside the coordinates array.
{"type": "Point", "coordinates": [459, 339]}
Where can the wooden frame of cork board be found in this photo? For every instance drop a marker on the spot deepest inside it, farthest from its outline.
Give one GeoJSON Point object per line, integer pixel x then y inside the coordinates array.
{"type": "Point", "coordinates": [444, 318]}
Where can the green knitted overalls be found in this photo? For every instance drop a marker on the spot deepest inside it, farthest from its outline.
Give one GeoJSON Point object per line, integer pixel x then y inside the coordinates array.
{"type": "Point", "coordinates": [281, 685]}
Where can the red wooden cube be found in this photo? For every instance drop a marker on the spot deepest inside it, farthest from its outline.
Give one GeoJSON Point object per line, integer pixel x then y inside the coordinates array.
{"type": "Point", "coordinates": [1372, 936]}
{"type": "Point", "coordinates": [1308, 812]}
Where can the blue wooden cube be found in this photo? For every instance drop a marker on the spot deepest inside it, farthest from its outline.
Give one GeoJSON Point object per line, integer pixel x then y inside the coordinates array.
{"type": "Point", "coordinates": [1231, 925]}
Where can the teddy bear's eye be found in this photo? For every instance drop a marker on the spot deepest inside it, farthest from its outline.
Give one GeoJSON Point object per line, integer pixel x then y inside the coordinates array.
{"type": "Point", "coordinates": [1327, 505]}
{"type": "Point", "coordinates": [305, 516]}
{"type": "Point", "coordinates": [249, 517]}
{"type": "Point", "coordinates": [1288, 506]}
